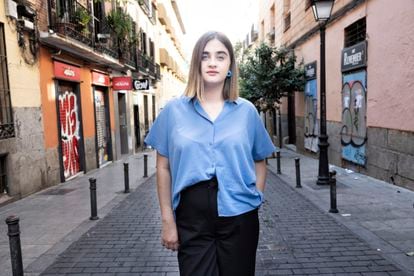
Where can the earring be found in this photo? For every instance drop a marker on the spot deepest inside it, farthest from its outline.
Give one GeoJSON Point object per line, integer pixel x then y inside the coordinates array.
{"type": "Point", "coordinates": [229, 74]}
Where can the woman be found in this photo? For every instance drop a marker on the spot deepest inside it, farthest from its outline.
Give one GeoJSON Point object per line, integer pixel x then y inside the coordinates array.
{"type": "Point", "coordinates": [211, 172]}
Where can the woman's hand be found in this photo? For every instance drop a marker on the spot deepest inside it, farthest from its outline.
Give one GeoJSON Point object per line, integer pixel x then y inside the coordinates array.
{"type": "Point", "coordinates": [169, 235]}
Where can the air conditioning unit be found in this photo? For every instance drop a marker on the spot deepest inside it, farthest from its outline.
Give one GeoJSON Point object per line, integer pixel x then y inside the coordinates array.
{"type": "Point", "coordinates": [10, 8]}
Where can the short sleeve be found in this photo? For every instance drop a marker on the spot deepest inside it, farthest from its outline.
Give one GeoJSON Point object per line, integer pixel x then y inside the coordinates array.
{"type": "Point", "coordinates": [157, 137]}
{"type": "Point", "coordinates": [262, 144]}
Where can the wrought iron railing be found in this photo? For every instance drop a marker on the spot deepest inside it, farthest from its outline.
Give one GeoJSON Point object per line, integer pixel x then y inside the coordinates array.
{"type": "Point", "coordinates": [6, 131]}
{"type": "Point", "coordinates": [73, 20]}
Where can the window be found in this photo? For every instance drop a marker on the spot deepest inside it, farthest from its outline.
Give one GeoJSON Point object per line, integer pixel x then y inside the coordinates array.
{"type": "Point", "coordinates": [356, 32]}
{"type": "Point", "coordinates": [286, 15]}
{"type": "Point", "coordinates": [151, 45]}
{"type": "Point", "coordinates": [3, 175]}
{"type": "Point", "coordinates": [6, 118]}
{"type": "Point", "coordinates": [144, 43]}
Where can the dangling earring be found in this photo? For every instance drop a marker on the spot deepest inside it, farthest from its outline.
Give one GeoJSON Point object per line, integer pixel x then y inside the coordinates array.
{"type": "Point", "coordinates": [229, 74]}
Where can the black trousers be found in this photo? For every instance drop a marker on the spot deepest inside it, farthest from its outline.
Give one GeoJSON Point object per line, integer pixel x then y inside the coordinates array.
{"type": "Point", "coordinates": [211, 245]}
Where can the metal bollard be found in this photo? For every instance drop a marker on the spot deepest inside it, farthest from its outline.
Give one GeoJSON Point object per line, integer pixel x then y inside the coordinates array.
{"type": "Point", "coordinates": [278, 162]}
{"type": "Point", "coordinates": [145, 165]}
{"type": "Point", "coordinates": [266, 161]}
{"type": "Point", "coordinates": [15, 247]}
{"type": "Point", "coordinates": [332, 181]}
{"type": "Point", "coordinates": [94, 209]}
{"type": "Point", "coordinates": [126, 177]}
{"type": "Point", "coordinates": [297, 165]}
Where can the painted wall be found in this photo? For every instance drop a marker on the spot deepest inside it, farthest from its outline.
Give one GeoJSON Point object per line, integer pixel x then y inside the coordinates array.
{"type": "Point", "coordinates": [390, 64]}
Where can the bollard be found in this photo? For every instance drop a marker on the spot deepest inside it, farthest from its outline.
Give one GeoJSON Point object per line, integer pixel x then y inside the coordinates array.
{"type": "Point", "coordinates": [15, 247]}
{"type": "Point", "coordinates": [145, 165]}
{"type": "Point", "coordinates": [297, 165]}
{"type": "Point", "coordinates": [94, 209]}
{"type": "Point", "coordinates": [126, 177]}
{"type": "Point", "coordinates": [332, 181]}
{"type": "Point", "coordinates": [278, 162]}
{"type": "Point", "coordinates": [267, 161]}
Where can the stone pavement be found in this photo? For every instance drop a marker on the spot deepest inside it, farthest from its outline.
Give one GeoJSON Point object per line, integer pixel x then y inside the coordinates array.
{"type": "Point", "coordinates": [297, 238]}
{"type": "Point", "coordinates": [53, 219]}
{"type": "Point", "coordinates": [378, 212]}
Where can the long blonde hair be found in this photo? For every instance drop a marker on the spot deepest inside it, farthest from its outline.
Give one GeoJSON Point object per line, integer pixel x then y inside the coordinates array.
{"type": "Point", "coordinates": [195, 85]}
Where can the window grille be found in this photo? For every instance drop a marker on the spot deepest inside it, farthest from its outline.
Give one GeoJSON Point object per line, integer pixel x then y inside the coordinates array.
{"type": "Point", "coordinates": [6, 115]}
{"type": "Point", "coordinates": [355, 33]}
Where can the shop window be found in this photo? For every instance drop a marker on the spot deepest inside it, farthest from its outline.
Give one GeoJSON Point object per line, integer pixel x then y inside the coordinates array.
{"type": "Point", "coordinates": [6, 117]}
{"type": "Point", "coordinates": [355, 33]}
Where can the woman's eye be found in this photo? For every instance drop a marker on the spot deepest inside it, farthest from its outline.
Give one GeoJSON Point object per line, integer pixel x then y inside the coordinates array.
{"type": "Point", "coordinates": [204, 57]}
{"type": "Point", "coordinates": [220, 57]}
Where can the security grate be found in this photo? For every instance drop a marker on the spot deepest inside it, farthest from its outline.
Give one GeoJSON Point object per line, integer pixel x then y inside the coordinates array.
{"type": "Point", "coordinates": [356, 32]}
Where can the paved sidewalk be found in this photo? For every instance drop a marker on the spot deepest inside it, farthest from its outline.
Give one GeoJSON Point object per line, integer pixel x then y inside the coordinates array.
{"type": "Point", "coordinates": [297, 238]}
{"type": "Point", "coordinates": [378, 212]}
{"type": "Point", "coordinates": [53, 219]}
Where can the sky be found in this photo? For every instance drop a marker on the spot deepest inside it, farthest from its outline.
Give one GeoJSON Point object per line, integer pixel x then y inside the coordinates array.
{"type": "Point", "coordinates": [232, 17]}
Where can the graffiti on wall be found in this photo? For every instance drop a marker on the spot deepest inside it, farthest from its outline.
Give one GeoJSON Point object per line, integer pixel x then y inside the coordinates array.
{"type": "Point", "coordinates": [354, 129]}
{"type": "Point", "coordinates": [311, 123]}
{"type": "Point", "coordinates": [69, 122]}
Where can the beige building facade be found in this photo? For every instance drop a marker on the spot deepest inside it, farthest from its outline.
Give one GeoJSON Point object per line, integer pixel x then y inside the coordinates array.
{"type": "Point", "coordinates": [369, 73]}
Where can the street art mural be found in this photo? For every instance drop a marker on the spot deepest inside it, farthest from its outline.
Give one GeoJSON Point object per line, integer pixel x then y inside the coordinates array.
{"type": "Point", "coordinates": [69, 125]}
{"type": "Point", "coordinates": [311, 123]}
{"type": "Point", "coordinates": [101, 127]}
{"type": "Point", "coordinates": [354, 128]}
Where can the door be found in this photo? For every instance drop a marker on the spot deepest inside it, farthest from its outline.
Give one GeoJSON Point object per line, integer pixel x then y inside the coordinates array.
{"type": "Point", "coordinates": [70, 125]}
{"type": "Point", "coordinates": [103, 130]}
{"type": "Point", "coordinates": [311, 123]}
{"type": "Point", "coordinates": [123, 126]}
{"type": "Point", "coordinates": [137, 131]}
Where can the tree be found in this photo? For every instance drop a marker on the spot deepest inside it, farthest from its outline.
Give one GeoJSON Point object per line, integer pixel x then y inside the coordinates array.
{"type": "Point", "coordinates": [269, 74]}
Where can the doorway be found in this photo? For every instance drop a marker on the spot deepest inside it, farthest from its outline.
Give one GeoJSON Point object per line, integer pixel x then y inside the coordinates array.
{"type": "Point", "coordinates": [123, 126]}
{"type": "Point", "coordinates": [103, 129]}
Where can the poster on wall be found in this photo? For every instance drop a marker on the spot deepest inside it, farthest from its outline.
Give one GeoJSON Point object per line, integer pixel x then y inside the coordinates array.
{"type": "Point", "coordinates": [354, 109]}
{"type": "Point", "coordinates": [311, 130]}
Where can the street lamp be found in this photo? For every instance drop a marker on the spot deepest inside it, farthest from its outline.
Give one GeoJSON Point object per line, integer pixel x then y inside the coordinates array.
{"type": "Point", "coordinates": [322, 10]}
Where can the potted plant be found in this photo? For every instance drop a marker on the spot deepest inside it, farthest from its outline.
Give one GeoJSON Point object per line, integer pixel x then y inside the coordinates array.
{"type": "Point", "coordinates": [82, 18]}
{"type": "Point", "coordinates": [121, 25]}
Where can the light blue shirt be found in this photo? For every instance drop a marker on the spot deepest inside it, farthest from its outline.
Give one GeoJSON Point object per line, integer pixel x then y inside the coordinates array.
{"type": "Point", "coordinates": [198, 149]}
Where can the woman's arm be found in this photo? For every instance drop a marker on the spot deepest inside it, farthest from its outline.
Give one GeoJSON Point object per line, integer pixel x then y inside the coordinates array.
{"type": "Point", "coordinates": [261, 171]}
{"type": "Point", "coordinates": [169, 235]}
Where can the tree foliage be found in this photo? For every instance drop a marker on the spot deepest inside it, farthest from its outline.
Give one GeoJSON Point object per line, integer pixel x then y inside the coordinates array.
{"type": "Point", "coordinates": [269, 74]}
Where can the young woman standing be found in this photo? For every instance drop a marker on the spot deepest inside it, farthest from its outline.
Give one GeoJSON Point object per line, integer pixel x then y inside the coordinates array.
{"type": "Point", "coordinates": [211, 145]}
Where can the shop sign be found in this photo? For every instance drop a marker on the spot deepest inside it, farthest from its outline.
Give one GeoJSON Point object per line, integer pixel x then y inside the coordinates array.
{"type": "Point", "coordinates": [354, 57]}
{"type": "Point", "coordinates": [122, 83]}
{"type": "Point", "coordinates": [142, 84]}
{"type": "Point", "coordinates": [100, 79]}
{"type": "Point", "coordinates": [310, 70]}
{"type": "Point", "coordinates": [66, 71]}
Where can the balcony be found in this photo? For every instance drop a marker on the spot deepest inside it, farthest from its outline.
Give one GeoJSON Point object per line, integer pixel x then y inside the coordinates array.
{"type": "Point", "coordinates": [76, 30]}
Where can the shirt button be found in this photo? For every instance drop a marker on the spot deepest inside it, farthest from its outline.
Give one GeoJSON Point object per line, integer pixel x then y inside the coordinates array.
{"type": "Point", "coordinates": [211, 143]}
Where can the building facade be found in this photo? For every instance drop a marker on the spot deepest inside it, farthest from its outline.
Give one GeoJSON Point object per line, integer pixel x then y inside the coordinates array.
{"type": "Point", "coordinates": [369, 73]}
{"type": "Point", "coordinates": [90, 89]}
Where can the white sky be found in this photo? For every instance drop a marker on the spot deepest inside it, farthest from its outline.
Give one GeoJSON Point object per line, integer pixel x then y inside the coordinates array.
{"type": "Point", "coordinates": [232, 17]}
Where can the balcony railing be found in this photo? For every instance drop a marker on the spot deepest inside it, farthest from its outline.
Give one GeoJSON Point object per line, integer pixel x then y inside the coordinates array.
{"type": "Point", "coordinates": [74, 22]}
{"type": "Point", "coordinates": [6, 131]}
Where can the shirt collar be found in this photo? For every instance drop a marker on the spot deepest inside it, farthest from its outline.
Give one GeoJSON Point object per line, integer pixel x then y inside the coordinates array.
{"type": "Point", "coordinates": [237, 101]}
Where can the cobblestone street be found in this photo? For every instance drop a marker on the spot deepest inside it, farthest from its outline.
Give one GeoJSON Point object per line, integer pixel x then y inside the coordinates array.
{"type": "Point", "coordinates": [297, 238]}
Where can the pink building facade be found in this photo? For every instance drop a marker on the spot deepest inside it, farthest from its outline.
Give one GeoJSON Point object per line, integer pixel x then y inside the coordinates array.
{"type": "Point", "coordinates": [369, 82]}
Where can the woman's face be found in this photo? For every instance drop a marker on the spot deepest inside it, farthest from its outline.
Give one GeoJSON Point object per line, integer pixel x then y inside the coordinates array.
{"type": "Point", "coordinates": [215, 63]}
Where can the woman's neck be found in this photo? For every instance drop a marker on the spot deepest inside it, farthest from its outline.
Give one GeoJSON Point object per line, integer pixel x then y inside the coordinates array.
{"type": "Point", "coordinates": [213, 94]}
